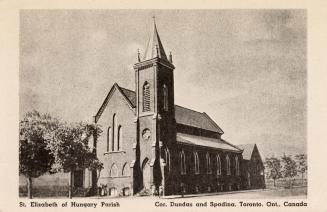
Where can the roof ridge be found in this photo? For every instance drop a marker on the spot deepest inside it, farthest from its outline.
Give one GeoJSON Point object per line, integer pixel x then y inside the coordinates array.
{"type": "Point", "coordinates": [206, 116]}
{"type": "Point", "coordinates": [231, 144]}
{"type": "Point", "coordinates": [213, 122]}
{"type": "Point", "coordinates": [122, 92]}
{"type": "Point", "coordinates": [189, 109]}
{"type": "Point", "coordinates": [213, 140]}
{"type": "Point", "coordinates": [126, 89]}
{"type": "Point", "coordinates": [247, 144]}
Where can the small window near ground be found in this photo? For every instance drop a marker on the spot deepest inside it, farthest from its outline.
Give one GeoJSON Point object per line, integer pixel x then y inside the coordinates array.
{"type": "Point", "coordinates": [112, 192]}
{"type": "Point", "coordinates": [126, 191]}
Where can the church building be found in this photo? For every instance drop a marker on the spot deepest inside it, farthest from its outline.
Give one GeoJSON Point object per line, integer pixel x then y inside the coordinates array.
{"type": "Point", "coordinates": [150, 145]}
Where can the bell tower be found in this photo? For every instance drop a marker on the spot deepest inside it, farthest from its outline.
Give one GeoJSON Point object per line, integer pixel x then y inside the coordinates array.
{"type": "Point", "coordinates": [155, 112]}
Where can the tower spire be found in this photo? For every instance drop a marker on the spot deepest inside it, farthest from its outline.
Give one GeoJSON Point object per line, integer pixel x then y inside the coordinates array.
{"type": "Point", "coordinates": [154, 48]}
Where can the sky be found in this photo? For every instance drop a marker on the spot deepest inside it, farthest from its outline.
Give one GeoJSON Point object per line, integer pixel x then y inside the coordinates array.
{"type": "Point", "coordinates": [245, 68]}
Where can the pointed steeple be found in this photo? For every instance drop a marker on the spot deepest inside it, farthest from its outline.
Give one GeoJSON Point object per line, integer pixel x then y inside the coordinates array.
{"type": "Point", "coordinates": [154, 47]}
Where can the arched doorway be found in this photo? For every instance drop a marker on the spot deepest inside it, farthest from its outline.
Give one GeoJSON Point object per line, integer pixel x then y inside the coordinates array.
{"type": "Point", "coordinates": [146, 173]}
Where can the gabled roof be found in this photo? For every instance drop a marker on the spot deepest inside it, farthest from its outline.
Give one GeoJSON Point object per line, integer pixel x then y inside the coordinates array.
{"type": "Point", "coordinates": [128, 94]}
{"type": "Point", "coordinates": [154, 44]}
{"type": "Point", "coordinates": [247, 150]}
{"type": "Point", "coordinates": [183, 115]}
{"type": "Point", "coordinates": [205, 142]}
{"type": "Point", "coordinates": [196, 119]}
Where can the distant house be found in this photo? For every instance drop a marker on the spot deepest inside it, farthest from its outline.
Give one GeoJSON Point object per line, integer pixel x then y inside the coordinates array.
{"type": "Point", "coordinates": [252, 167]}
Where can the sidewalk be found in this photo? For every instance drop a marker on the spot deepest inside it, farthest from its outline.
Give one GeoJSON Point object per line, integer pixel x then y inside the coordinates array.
{"type": "Point", "coordinates": [196, 195]}
{"type": "Point", "coordinates": [214, 194]}
{"type": "Point", "coordinates": [266, 190]}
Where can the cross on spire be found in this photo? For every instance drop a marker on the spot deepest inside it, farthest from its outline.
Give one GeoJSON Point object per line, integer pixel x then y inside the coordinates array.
{"type": "Point", "coordinates": [138, 55]}
{"type": "Point", "coordinates": [154, 47]}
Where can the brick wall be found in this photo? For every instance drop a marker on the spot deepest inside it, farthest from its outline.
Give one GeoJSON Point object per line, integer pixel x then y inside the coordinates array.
{"type": "Point", "coordinates": [122, 157]}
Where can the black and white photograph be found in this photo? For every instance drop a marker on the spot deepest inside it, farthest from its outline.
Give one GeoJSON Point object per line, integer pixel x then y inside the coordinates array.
{"type": "Point", "coordinates": [164, 104]}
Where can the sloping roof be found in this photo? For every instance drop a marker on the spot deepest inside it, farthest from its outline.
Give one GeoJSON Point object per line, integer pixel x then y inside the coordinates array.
{"type": "Point", "coordinates": [247, 150]}
{"type": "Point", "coordinates": [154, 44]}
{"type": "Point", "coordinates": [204, 141]}
{"type": "Point", "coordinates": [130, 95]}
{"type": "Point", "coordinates": [196, 119]}
{"type": "Point", "coordinates": [183, 115]}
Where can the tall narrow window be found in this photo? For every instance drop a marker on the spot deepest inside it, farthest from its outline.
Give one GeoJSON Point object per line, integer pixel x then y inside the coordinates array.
{"type": "Point", "coordinates": [227, 165]}
{"type": "Point", "coordinates": [237, 166]}
{"type": "Point", "coordinates": [182, 162]}
{"type": "Point", "coordinates": [196, 163]}
{"type": "Point", "coordinates": [165, 97]}
{"type": "Point", "coordinates": [125, 171]}
{"type": "Point", "coordinates": [218, 165]}
{"type": "Point", "coordinates": [109, 138]}
{"type": "Point", "coordinates": [167, 155]}
{"type": "Point", "coordinates": [146, 97]}
{"type": "Point", "coordinates": [209, 171]}
{"type": "Point", "coordinates": [113, 171]}
{"type": "Point", "coordinates": [114, 122]}
{"type": "Point", "coordinates": [119, 138]}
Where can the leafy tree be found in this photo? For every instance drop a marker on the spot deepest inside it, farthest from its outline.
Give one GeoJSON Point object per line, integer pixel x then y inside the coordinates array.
{"type": "Point", "coordinates": [302, 167]}
{"type": "Point", "coordinates": [289, 168]}
{"type": "Point", "coordinates": [274, 167]}
{"type": "Point", "coordinates": [34, 157]}
{"type": "Point", "coordinates": [72, 151]}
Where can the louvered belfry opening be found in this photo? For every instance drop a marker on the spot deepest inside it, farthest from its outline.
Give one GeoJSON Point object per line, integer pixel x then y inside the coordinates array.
{"type": "Point", "coordinates": [146, 97]}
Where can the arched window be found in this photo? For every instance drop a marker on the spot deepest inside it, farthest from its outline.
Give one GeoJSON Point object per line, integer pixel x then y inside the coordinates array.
{"type": "Point", "coordinates": [113, 171]}
{"type": "Point", "coordinates": [109, 138]}
{"type": "Point", "coordinates": [209, 170]}
{"type": "Point", "coordinates": [145, 162]}
{"type": "Point", "coordinates": [167, 157]}
{"type": "Point", "coordinates": [146, 97]}
{"type": "Point", "coordinates": [165, 97]}
{"type": "Point", "coordinates": [125, 171]}
{"type": "Point", "coordinates": [218, 165]}
{"type": "Point", "coordinates": [114, 122]}
{"type": "Point", "coordinates": [182, 162]}
{"type": "Point", "coordinates": [196, 163]}
{"type": "Point", "coordinates": [119, 138]}
{"type": "Point", "coordinates": [237, 166]}
{"type": "Point", "coordinates": [227, 165]}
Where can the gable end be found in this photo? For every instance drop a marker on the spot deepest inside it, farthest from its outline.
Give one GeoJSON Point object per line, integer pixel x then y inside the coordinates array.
{"type": "Point", "coordinates": [108, 97]}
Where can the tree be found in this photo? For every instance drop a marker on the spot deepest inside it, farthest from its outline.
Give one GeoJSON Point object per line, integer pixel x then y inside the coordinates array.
{"type": "Point", "coordinates": [34, 157]}
{"type": "Point", "coordinates": [71, 149]}
{"type": "Point", "coordinates": [302, 167]}
{"type": "Point", "coordinates": [289, 169]}
{"type": "Point", "coordinates": [273, 166]}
